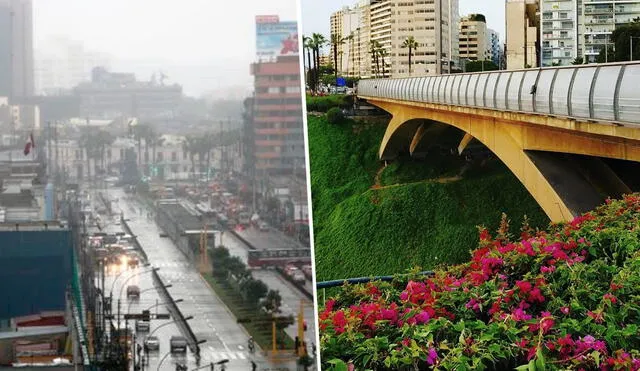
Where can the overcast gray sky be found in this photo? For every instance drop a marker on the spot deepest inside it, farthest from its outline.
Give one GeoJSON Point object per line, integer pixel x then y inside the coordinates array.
{"type": "Point", "coordinates": [202, 44]}
{"type": "Point", "coordinates": [315, 13]}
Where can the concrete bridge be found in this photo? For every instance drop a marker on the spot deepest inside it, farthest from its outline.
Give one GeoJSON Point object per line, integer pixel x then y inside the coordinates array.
{"type": "Point", "coordinates": [571, 135]}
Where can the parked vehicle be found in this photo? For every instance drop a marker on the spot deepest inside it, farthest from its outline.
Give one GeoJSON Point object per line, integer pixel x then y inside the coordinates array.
{"type": "Point", "coordinates": [298, 276]}
{"type": "Point", "coordinates": [306, 269]}
{"type": "Point", "coordinates": [152, 343]}
{"type": "Point", "coordinates": [133, 291]}
{"type": "Point", "coordinates": [178, 344]}
{"type": "Point", "coordinates": [264, 227]}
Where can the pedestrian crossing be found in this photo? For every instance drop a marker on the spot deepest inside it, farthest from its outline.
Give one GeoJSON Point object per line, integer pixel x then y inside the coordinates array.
{"type": "Point", "coordinates": [170, 264]}
{"type": "Point", "coordinates": [214, 356]}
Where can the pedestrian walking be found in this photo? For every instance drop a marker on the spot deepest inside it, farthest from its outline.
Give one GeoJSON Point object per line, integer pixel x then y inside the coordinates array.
{"type": "Point", "coordinates": [254, 366]}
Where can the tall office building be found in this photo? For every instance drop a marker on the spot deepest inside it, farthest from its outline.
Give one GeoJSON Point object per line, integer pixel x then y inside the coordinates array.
{"type": "Point", "coordinates": [599, 20]}
{"type": "Point", "coordinates": [522, 26]}
{"type": "Point", "coordinates": [474, 38]}
{"type": "Point", "coordinates": [277, 103]}
{"type": "Point", "coordinates": [16, 49]}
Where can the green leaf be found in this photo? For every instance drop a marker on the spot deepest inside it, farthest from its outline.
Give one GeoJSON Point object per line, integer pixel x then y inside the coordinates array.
{"type": "Point", "coordinates": [338, 365]}
{"type": "Point", "coordinates": [522, 368]}
{"type": "Point", "coordinates": [532, 365]}
{"type": "Point", "coordinates": [387, 362]}
{"type": "Point", "coordinates": [596, 357]}
{"type": "Point", "coordinates": [540, 363]}
{"type": "Point", "coordinates": [366, 359]}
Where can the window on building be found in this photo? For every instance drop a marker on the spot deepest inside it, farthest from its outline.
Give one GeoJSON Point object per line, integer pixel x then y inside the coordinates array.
{"type": "Point", "coordinates": [159, 156]}
{"type": "Point", "coordinates": [185, 155]}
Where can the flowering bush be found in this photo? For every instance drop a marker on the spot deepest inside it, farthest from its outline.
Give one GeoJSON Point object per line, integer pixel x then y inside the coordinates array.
{"type": "Point", "coordinates": [567, 298]}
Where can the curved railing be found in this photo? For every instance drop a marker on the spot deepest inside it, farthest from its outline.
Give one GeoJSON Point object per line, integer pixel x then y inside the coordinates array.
{"type": "Point", "coordinates": [603, 92]}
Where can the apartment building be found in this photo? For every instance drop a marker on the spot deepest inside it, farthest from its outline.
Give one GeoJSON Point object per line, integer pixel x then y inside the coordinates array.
{"type": "Point", "coordinates": [559, 32]}
{"type": "Point", "coordinates": [599, 20]}
{"type": "Point", "coordinates": [432, 23]}
{"type": "Point", "coordinates": [277, 117]}
{"type": "Point", "coordinates": [347, 23]}
{"type": "Point", "coordinates": [495, 47]}
{"type": "Point", "coordinates": [474, 38]}
{"type": "Point", "coordinates": [523, 28]}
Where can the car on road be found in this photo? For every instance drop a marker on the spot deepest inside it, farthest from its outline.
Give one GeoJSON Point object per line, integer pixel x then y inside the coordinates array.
{"type": "Point", "coordinates": [152, 343]}
{"type": "Point", "coordinates": [133, 291]}
{"type": "Point", "coordinates": [264, 227]}
{"type": "Point", "coordinates": [298, 276]}
{"type": "Point", "coordinates": [178, 344]}
{"type": "Point", "coordinates": [306, 269]}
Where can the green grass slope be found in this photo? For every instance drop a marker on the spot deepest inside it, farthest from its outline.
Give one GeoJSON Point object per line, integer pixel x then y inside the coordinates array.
{"type": "Point", "coordinates": [413, 220]}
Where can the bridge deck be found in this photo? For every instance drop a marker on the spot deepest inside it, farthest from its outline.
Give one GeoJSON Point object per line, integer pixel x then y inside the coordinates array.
{"type": "Point", "coordinates": [605, 92]}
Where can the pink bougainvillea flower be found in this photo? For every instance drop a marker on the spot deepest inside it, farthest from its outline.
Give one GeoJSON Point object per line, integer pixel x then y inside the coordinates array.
{"type": "Point", "coordinates": [565, 310]}
{"type": "Point", "coordinates": [432, 357]}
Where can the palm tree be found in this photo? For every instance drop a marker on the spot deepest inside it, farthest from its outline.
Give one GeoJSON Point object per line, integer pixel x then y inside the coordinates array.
{"type": "Point", "coordinates": [382, 53]}
{"type": "Point", "coordinates": [374, 47]}
{"type": "Point", "coordinates": [410, 42]}
{"type": "Point", "coordinates": [189, 146]}
{"type": "Point", "coordinates": [351, 54]}
{"type": "Point", "coordinates": [317, 42]}
{"type": "Point", "coordinates": [140, 132]}
{"type": "Point", "coordinates": [306, 47]}
{"type": "Point", "coordinates": [89, 142]}
{"type": "Point", "coordinates": [103, 140]}
{"type": "Point", "coordinates": [335, 41]}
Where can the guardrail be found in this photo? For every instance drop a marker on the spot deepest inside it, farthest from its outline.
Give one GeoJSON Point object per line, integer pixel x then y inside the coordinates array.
{"type": "Point", "coordinates": [336, 283]}
{"type": "Point", "coordinates": [607, 92]}
{"type": "Point", "coordinates": [173, 307]}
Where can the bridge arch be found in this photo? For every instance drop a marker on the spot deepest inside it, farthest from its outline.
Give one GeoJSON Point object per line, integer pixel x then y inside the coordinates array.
{"type": "Point", "coordinates": [535, 153]}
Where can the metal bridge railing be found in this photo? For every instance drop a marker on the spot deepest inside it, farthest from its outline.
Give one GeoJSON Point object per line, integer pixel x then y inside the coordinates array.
{"type": "Point", "coordinates": [605, 92]}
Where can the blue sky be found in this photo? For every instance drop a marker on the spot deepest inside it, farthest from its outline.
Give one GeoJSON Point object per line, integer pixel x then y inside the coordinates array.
{"type": "Point", "coordinates": [316, 13]}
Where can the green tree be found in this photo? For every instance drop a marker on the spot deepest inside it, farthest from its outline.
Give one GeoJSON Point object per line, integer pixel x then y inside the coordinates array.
{"type": "Point", "coordinates": [577, 61]}
{"type": "Point", "coordinates": [317, 42]}
{"type": "Point", "coordinates": [410, 43]}
{"type": "Point", "coordinates": [272, 302]}
{"type": "Point", "coordinates": [374, 49]}
{"type": "Point", "coordinates": [335, 41]}
{"type": "Point", "coordinates": [253, 290]}
{"type": "Point", "coordinates": [622, 38]}
{"type": "Point", "coordinates": [607, 56]}
{"type": "Point", "coordinates": [477, 66]}
{"type": "Point", "coordinates": [382, 53]}
{"type": "Point", "coordinates": [218, 257]}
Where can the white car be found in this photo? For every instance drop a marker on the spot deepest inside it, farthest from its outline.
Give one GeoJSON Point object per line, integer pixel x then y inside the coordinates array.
{"type": "Point", "coordinates": [264, 227]}
{"type": "Point", "coordinates": [298, 276]}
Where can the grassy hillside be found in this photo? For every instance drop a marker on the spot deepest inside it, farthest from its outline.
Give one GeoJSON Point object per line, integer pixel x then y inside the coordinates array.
{"type": "Point", "coordinates": [415, 215]}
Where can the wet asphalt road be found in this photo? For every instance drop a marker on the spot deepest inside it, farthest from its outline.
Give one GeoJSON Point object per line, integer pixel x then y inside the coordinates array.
{"type": "Point", "coordinates": [225, 339]}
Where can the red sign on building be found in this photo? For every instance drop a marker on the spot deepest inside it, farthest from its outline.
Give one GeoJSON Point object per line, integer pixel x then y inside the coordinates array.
{"type": "Point", "coordinates": [267, 19]}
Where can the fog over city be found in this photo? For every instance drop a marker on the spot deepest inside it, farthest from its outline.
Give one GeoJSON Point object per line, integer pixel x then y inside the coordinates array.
{"type": "Point", "coordinates": [197, 43]}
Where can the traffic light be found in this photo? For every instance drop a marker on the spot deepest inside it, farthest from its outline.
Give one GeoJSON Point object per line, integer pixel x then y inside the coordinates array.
{"type": "Point", "coordinates": [146, 315]}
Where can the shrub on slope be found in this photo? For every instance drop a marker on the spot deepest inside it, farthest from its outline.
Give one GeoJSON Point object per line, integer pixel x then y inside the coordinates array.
{"type": "Point", "coordinates": [563, 299]}
{"type": "Point", "coordinates": [359, 231]}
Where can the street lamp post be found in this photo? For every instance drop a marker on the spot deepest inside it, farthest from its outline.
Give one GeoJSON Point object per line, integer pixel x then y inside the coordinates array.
{"type": "Point", "coordinates": [145, 290]}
